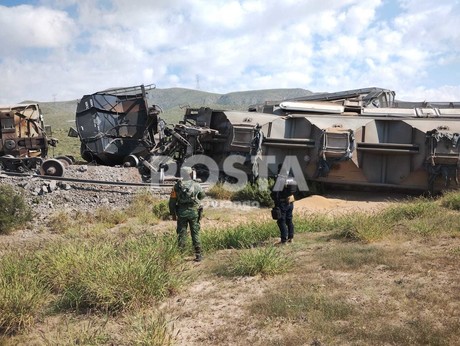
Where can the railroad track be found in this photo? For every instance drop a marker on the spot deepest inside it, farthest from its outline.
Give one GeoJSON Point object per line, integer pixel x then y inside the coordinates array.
{"type": "Point", "coordinates": [89, 181]}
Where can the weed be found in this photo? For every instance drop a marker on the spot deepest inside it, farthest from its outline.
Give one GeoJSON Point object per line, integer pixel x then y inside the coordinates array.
{"type": "Point", "coordinates": [314, 223]}
{"type": "Point", "coordinates": [451, 200]}
{"type": "Point", "coordinates": [14, 212]}
{"type": "Point", "coordinates": [147, 209]}
{"type": "Point", "coordinates": [110, 217]}
{"type": "Point", "coordinates": [258, 192]}
{"type": "Point", "coordinates": [219, 192]}
{"type": "Point", "coordinates": [238, 237]}
{"type": "Point", "coordinates": [411, 210]}
{"type": "Point", "coordinates": [361, 227]}
{"type": "Point", "coordinates": [161, 210]}
{"type": "Point", "coordinates": [353, 257]}
{"type": "Point", "coordinates": [414, 332]}
{"type": "Point", "coordinates": [261, 261]}
{"type": "Point", "coordinates": [22, 294]}
{"type": "Point", "coordinates": [455, 251]}
{"type": "Point", "coordinates": [70, 332]}
{"type": "Point", "coordinates": [294, 302]}
{"type": "Point", "coordinates": [111, 276]}
{"type": "Point", "coordinates": [150, 328]}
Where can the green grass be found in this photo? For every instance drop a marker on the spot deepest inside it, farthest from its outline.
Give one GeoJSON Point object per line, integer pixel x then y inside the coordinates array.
{"type": "Point", "coordinates": [265, 261]}
{"type": "Point", "coordinates": [355, 256]}
{"type": "Point", "coordinates": [419, 217]}
{"type": "Point", "coordinates": [296, 301]}
{"type": "Point", "coordinates": [410, 210]}
{"type": "Point", "coordinates": [242, 236]}
{"type": "Point", "coordinates": [151, 329]}
{"type": "Point", "coordinates": [92, 272]}
{"type": "Point", "coordinates": [101, 276]}
{"type": "Point", "coordinates": [111, 276]}
{"type": "Point", "coordinates": [451, 200]}
{"type": "Point", "coordinates": [71, 331]}
{"type": "Point", "coordinates": [66, 146]}
{"type": "Point", "coordinates": [23, 294]}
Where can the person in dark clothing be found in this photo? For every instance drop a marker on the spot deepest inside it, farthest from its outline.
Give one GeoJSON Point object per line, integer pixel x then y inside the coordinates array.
{"type": "Point", "coordinates": [283, 196]}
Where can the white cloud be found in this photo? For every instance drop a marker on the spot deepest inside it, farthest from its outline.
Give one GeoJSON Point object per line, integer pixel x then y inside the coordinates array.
{"type": "Point", "coordinates": [88, 45]}
{"type": "Point", "coordinates": [24, 27]}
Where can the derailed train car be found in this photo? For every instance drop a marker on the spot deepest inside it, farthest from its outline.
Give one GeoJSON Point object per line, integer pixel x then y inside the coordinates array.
{"type": "Point", "coordinates": [116, 126]}
{"type": "Point", "coordinates": [24, 143]}
{"type": "Point", "coordinates": [361, 138]}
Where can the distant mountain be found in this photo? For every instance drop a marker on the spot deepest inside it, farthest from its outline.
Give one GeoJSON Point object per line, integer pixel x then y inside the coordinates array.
{"type": "Point", "coordinates": [172, 101]}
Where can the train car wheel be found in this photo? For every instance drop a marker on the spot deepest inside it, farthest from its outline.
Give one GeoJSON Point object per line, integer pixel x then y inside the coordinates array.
{"type": "Point", "coordinates": [68, 161]}
{"type": "Point", "coordinates": [130, 161]}
{"type": "Point", "coordinates": [53, 168]}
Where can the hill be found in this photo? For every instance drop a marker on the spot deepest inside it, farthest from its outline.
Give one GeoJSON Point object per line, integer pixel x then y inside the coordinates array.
{"type": "Point", "coordinates": [60, 115]}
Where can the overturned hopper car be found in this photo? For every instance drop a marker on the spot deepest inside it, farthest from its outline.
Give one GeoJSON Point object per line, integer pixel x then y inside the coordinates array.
{"type": "Point", "coordinates": [116, 126]}
{"type": "Point", "coordinates": [361, 138]}
{"type": "Point", "coordinates": [24, 143]}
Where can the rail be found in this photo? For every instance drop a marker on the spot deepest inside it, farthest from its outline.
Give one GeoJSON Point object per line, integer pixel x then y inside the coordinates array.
{"type": "Point", "coordinates": [4, 174]}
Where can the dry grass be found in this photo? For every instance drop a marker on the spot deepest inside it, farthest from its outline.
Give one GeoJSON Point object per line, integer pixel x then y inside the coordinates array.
{"type": "Point", "coordinates": [344, 281]}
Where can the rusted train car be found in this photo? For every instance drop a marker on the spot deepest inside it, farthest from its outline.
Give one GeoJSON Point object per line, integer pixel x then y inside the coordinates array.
{"type": "Point", "coordinates": [24, 143]}
{"type": "Point", "coordinates": [362, 138]}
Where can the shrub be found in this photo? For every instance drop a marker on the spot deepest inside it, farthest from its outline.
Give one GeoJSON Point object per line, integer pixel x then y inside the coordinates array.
{"type": "Point", "coordinates": [14, 212]}
{"type": "Point", "coordinates": [219, 192]}
{"type": "Point", "coordinates": [451, 200]}
{"type": "Point", "coordinates": [144, 208]}
{"type": "Point", "coordinates": [110, 217]}
{"type": "Point", "coordinates": [141, 203]}
{"type": "Point", "coordinates": [161, 210]}
{"type": "Point", "coordinates": [259, 192]}
{"type": "Point", "coordinates": [264, 261]}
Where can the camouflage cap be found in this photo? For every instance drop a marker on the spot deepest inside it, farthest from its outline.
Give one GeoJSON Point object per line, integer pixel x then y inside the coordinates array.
{"type": "Point", "coordinates": [187, 170]}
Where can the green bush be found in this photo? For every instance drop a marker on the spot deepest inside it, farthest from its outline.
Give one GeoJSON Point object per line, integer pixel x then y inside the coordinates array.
{"type": "Point", "coordinates": [451, 200]}
{"type": "Point", "coordinates": [14, 212]}
{"type": "Point", "coordinates": [258, 192]}
{"type": "Point", "coordinates": [219, 192]}
{"type": "Point", "coordinates": [161, 210]}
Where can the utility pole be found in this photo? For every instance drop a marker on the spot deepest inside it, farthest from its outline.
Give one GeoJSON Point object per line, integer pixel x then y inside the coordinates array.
{"type": "Point", "coordinates": [197, 82]}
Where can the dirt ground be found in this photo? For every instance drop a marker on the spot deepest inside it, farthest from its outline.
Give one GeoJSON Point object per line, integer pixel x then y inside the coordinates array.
{"type": "Point", "coordinates": [214, 310]}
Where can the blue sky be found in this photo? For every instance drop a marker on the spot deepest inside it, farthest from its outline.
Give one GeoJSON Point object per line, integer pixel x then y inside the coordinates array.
{"type": "Point", "coordinates": [63, 49]}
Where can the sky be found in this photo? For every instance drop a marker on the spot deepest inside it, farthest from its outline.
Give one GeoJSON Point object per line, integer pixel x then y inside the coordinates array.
{"type": "Point", "coordinates": [59, 50]}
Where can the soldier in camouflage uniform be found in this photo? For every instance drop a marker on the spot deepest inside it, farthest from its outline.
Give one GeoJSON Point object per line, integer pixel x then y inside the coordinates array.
{"type": "Point", "coordinates": [184, 205]}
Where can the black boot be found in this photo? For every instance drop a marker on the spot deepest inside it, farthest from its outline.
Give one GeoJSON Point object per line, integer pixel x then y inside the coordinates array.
{"type": "Point", "coordinates": [198, 257]}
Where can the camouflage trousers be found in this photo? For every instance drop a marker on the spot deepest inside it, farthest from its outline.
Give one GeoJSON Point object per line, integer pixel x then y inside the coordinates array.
{"type": "Point", "coordinates": [185, 218]}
